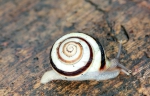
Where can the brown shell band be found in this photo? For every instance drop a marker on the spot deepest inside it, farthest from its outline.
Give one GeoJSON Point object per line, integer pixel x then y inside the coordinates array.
{"type": "Point", "coordinates": [67, 61]}
{"type": "Point", "coordinates": [103, 61]}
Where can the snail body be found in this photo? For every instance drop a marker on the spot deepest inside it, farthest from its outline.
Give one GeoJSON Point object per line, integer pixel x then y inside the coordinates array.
{"type": "Point", "coordinates": [77, 56]}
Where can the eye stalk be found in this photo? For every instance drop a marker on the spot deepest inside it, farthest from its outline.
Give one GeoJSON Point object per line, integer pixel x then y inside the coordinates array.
{"type": "Point", "coordinates": [116, 64]}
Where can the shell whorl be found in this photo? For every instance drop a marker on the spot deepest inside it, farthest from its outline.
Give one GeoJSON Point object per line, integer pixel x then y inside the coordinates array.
{"type": "Point", "coordinates": [76, 53]}
{"type": "Point", "coordinates": [70, 51]}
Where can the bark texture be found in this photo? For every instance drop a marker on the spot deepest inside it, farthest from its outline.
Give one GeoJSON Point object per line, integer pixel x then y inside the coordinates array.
{"type": "Point", "coordinates": [28, 28]}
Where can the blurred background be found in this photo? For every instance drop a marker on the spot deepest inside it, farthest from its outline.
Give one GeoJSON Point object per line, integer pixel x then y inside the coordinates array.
{"type": "Point", "coordinates": [28, 28]}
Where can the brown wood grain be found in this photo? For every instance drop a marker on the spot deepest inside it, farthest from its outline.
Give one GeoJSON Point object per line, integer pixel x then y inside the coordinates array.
{"type": "Point", "coordinates": [28, 28]}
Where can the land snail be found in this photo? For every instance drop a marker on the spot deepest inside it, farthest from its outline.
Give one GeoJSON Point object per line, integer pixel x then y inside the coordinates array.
{"type": "Point", "coordinates": [78, 56]}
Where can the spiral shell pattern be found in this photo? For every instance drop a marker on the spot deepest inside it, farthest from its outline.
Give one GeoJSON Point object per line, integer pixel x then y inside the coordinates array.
{"type": "Point", "coordinates": [74, 54]}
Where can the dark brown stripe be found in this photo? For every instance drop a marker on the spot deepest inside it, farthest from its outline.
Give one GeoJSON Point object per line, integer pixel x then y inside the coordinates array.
{"type": "Point", "coordinates": [79, 71]}
{"type": "Point", "coordinates": [103, 63]}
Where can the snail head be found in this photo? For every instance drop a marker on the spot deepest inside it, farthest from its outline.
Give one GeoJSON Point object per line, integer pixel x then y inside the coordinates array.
{"type": "Point", "coordinates": [116, 64]}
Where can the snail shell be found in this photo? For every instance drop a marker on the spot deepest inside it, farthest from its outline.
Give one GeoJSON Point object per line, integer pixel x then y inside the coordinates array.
{"type": "Point", "coordinates": [77, 56]}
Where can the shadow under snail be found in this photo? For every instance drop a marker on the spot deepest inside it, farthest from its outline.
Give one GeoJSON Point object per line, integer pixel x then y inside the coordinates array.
{"type": "Point", "coordinates": [77, 56]}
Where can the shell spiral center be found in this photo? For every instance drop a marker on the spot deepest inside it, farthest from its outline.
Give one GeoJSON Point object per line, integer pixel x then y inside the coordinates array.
{"type": "Point", "coordinates": [70, 51]}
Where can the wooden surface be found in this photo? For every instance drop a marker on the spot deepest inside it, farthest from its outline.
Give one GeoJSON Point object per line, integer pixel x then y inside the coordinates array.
{"type": "Point", "coordinates": [28, 28]}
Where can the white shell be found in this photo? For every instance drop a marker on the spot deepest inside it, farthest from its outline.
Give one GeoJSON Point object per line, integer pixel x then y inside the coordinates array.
{"type": "Point", "coordinates": [85, 53]}
{"type": "Point", "coordinates": [77, 56]}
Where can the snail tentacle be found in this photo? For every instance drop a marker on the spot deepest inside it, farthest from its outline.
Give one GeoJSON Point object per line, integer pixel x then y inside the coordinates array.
{"type": "Point", "coordinates": [115, 62]}
{"type": "Point", "coordinates": [119, 51]}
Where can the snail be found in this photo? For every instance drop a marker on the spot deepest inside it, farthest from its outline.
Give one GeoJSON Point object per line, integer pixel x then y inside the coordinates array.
{"type": "Point", "coordinates": [78, 56]}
